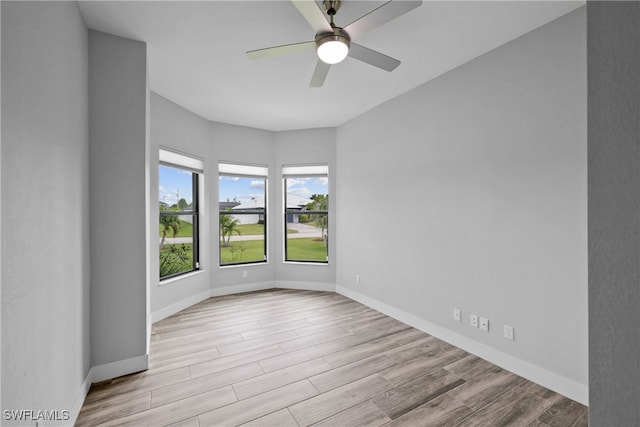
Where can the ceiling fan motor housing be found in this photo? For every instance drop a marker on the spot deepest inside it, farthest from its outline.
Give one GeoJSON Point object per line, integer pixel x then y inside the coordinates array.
{"type": "Point", "coordinates": [338, 35]}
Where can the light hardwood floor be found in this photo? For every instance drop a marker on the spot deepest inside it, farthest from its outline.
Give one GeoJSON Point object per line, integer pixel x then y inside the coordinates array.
{"type": "Point", "coordinates": [299, 358]}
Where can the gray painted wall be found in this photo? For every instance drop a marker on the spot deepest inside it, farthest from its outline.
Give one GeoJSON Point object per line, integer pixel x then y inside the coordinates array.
{"type": "Point", "coordinates": [118, 198]}
{"type": "Point", "coordinates": [614, 213]}
{"type": "Point", "coordinates": [471, 192]}
{"type": "Point", "coordinates": [45, 194]}
{"type": "Point", "coordinates": [174, 127]}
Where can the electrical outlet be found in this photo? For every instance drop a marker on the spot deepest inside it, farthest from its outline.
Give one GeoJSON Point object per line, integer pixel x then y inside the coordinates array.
{"type": "Point", "coordinates": [244, 273]}
{"type": "Point", "coordinates": [357, 278]}
{"type": "Point", "coordinates": [509, 333]}
{"type": "Point", "coordinates": [474, 320]}
{"type": "Point", "coordinates": [456, 314]}
{"type": "Point", "coordinates": [484, 324]}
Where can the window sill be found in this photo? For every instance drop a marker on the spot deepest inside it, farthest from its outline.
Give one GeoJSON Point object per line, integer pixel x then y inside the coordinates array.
{"type": "Point", "coordinates": [323, 264]}
{"type": "Point", "coordinates": [249, 264]}
{"type": "Point", "coordinates": [181, 277]}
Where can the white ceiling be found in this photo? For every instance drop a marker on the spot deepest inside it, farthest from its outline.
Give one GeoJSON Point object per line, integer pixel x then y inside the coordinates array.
{"type": "Point", "coordinates": [196, 53]}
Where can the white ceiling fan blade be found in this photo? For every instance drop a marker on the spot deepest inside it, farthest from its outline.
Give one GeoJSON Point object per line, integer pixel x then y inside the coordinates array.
{"type": "Point", "coordinates": [319, 74]}
{"type": "Point", "coordinates": [383, 14]}
{"type": "Point", "coordinates": [314, 16]}
{"type": "Point", "coordinates": [281, 50]}
{"type": "Point", "coordinates": [373, 57]}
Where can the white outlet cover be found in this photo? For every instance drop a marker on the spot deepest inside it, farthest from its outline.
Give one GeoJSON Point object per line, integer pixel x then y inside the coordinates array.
{"type": "Point", "coordinates": [473, 319]}
{"type": "Point", "coordinates": [456, 314]}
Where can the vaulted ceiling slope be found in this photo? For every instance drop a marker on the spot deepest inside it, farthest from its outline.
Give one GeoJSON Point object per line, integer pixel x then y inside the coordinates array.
{"type": "Point", "coordinates": [196, 53]}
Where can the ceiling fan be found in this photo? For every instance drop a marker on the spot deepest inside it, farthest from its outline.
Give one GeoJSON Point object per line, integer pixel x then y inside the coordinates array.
{"type": "Point", "coordinates": [333, 43]}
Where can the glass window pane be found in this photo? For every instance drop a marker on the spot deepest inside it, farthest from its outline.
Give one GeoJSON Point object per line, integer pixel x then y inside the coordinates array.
{"type": "Point", "coordinates": [307, 219]}
{"type": "Point", "coordinates": [242, 219]}
{"type": "Point", "coordinates": [306, 240]}
{"type": "Point", "coordinates": [176, 244]}
{"type": "Point", "coordinates": [178, 221]}
{"type": "Point", "coordinates": [176, 188]}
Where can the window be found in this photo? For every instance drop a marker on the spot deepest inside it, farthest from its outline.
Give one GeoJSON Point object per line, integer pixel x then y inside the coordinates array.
{"type": "Point", "coordinates": [243, 213]}
{"type": "Point", "coordinates": [179, 216]}
{"type": "Point", "coordinates": [306, 213]}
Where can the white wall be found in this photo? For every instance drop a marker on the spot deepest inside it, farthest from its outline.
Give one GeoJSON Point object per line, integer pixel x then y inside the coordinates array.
{"type": "Point", "coordinates": [614, 213]}
{"type": "Point", "coordinates": [174, 127]}
{"type": "Point", "coordinates": [470, 192]}
{"type": "Point", "coordinates": [312, 146]}
{"type": "Point", "coordinates": [119, 202]}
{"type": "Point", "coordinates": [45, 196]}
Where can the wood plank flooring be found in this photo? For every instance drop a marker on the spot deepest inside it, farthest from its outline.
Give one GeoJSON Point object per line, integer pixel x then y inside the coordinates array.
{"type": "Point", "coordinates": [301, 358]}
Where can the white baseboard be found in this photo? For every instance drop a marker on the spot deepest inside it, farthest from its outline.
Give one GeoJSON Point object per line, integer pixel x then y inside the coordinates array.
{"type": "Point", "coordinates": [174, 308]}
{"type": "Point", "coordinates": [565, 386]}
{"type": "Point", "coordinates": [76, 406]}
{"type": "Point", "coordinates": [306, 286]}
{"type": "Point", "coordinates": [178, 306]}
{"type": "Point", "coordinates": [238, 289]}
{"type": "Point", "coordinates": [119, 368]}
{"type": "Point", "coordinates": [101, 373]}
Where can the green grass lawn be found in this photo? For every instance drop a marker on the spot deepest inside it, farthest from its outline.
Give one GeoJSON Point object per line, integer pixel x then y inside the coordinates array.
{"type": "Point", "coordinates": [251, 229]}
{"type": "Point", "coordinates": [185, 230]}
{"type": "Point", "coordinates": [306, 249]}
{"type": "Point", "coordinates": [180, 258]}
{"type": "Point", "coordinates": [242, 251]}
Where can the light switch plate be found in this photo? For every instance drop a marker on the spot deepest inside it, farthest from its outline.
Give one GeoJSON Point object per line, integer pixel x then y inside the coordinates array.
{"type": "Point", "coordinates": [484, 324]}
{"type": "Point", "coordinates": [509, 333]}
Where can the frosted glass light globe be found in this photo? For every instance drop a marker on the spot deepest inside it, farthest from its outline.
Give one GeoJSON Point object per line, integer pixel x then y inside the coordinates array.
{"type": "Point", "coordinates": [332, 51]}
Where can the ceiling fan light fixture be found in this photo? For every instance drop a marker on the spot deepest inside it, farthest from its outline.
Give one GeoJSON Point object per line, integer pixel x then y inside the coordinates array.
{"type": "Point", "coordinates": [332, 48]}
